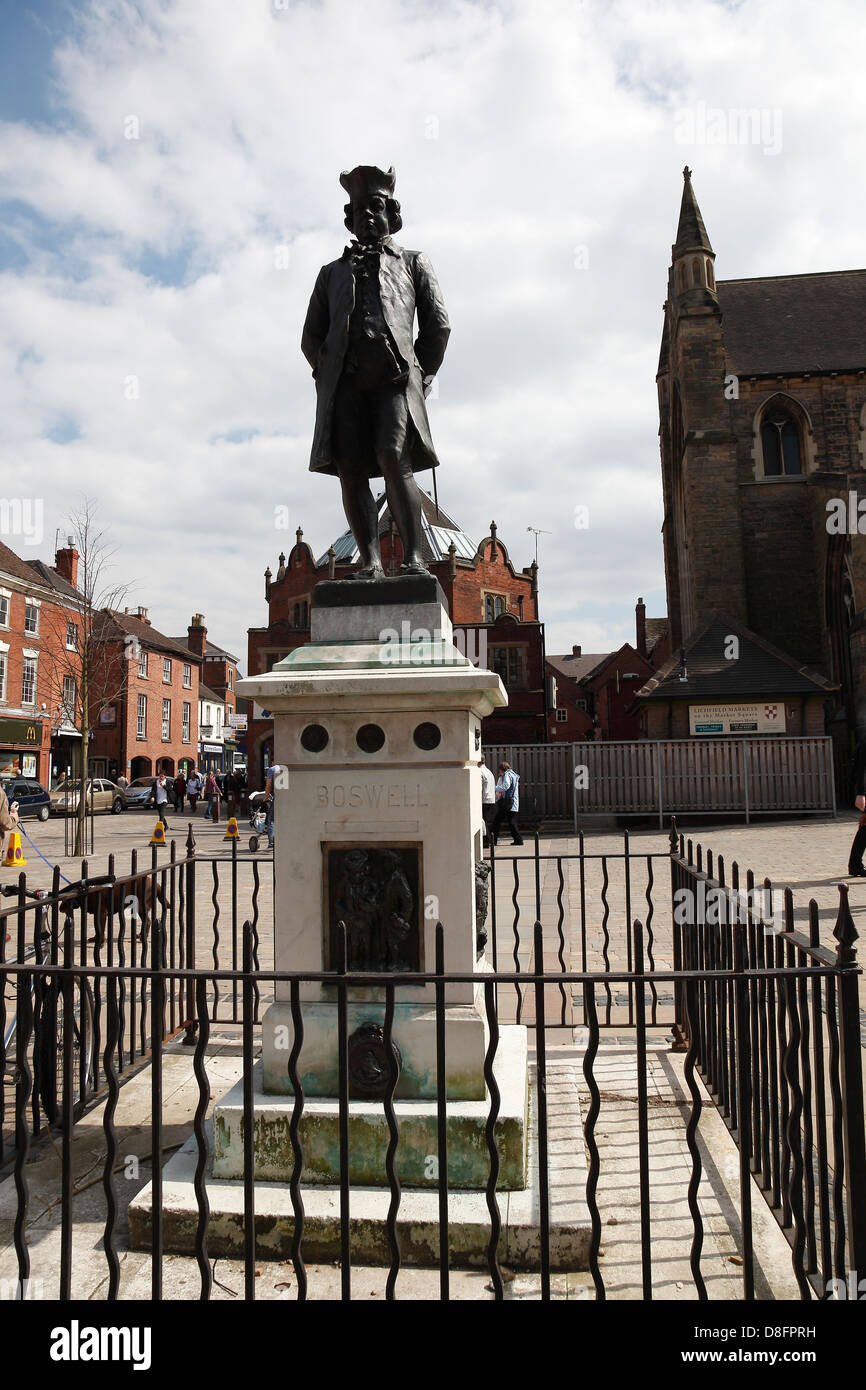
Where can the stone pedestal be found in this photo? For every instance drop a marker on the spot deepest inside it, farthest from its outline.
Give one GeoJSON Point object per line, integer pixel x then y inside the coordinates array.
{"type": "Point", "coordinates": [377, 724]}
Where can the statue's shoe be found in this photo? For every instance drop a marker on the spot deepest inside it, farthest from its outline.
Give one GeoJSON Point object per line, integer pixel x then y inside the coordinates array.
{"type": "Point", "coordinates": [368, 572]}
{"type": "Point", "coordinates": [417, 567]}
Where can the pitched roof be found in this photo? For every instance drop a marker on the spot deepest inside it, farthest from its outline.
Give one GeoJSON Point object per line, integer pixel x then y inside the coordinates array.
{"type": "Point", "coordinates": [656, 628]}
{"type": "Point", "coordinates": [210, 649]}
{"type": "Point", "coordinates": [117, 624]}
{"type": "Point", "coordinates": [691, 232]}
{"type": "Point", "coordinates": [10, 563]}
{"type": "Point", "coordinates": [795, 323]}
{"type": "Point", "coordinates": [205, 693]}
{"type": "Point", "coordinates": [54, 580]}
{"type": "Point", "coordinates": [759, 669]}
{"type": "Point", "coordinates": [577, 668]}
{"type": "Point", "coordinates": [438, 530]}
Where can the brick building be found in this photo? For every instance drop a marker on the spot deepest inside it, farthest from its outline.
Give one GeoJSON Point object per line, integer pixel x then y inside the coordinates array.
{"type": "Point", "coordinates": [152, 725]}
{"type": "Point", "coordinates": [762, 405]}
{"type": "Point", "coordinates": [219, 675]}
{"type": "Point", "coordinates": [595, 693]}
{"type": "Point", "coordinates": [493, 607]}
{"type": "Point", "coordinates": [39, 665]}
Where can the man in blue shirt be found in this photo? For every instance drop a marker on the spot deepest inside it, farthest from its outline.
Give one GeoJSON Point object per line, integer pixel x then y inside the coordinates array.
{"type": "Point", "coordinates": [507, 803]}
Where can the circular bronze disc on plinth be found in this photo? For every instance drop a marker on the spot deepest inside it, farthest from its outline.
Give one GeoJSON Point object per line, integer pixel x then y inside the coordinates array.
{"type": "Point", "coordinates": [369, 1074]}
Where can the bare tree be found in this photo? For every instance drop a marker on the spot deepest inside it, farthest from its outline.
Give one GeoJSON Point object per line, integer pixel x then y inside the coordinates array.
{"type": "Point", "coordinates": [91, 670]}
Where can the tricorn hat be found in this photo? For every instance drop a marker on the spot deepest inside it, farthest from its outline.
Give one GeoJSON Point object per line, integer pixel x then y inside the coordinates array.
{"type": "Point", "coordinates": [368, 181]}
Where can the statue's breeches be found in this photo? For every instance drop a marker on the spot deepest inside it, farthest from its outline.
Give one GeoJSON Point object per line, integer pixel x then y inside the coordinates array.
{"type": "Point", "coordinates": [367, 423]}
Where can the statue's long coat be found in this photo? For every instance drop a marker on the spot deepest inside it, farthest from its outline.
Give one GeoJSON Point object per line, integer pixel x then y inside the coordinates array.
{"type": "Point", "coordinates": [407, 285]}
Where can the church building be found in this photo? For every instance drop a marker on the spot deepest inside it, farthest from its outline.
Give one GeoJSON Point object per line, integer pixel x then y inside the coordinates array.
{"type": "Point", "coordinates": [762, 408]}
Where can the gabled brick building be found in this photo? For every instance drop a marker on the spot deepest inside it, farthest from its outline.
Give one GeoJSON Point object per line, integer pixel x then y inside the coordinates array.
{"type": "Point", "coordinates": [152, 726]}
{"type": "Point", "coordinates": [762, 408]}
{"type": "Point", "coordinates": [493, 606]}
{"type": "Point", "coordinates": [219, 673]}
{"type": "Point", "coordinates": [38, 635]}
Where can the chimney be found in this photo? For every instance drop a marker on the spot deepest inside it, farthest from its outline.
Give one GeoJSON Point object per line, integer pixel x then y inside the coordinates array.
{"type": "Point", "coordinates": [66, 562]}
{"type": "Point", "coordinates": [575, 651]}
{"type": "Point", "coordinates": [640, 626]}
{"type": "Point", "coordinates": [141, 614]}
{"type": "Point", "coordinates": [197, 634]}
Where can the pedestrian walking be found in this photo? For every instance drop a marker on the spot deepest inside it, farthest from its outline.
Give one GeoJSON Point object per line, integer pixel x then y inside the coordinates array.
{"type": "Point", "coordinates": [179, 792]}
{"type": "Point", "coordinates": [160, 797]}
{"type": "Point", "coordinates": [488, 796]}
{"type": "Point", "coordinates": [270, 789]}
{"type": "Point", "coordinates": [858, 786]}
{"type": "Point", "coordinates": [212, 793]}
{"type": "Point", "coordinates": [194, 786]}
{"type": "Point", "coordinates": [507, 803]}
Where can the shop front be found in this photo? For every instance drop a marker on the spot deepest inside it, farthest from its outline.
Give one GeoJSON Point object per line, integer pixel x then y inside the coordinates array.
{"type": "Point", "coordinates": [210, 758]}
{"type": "Point", "coordinates": [25, 748]}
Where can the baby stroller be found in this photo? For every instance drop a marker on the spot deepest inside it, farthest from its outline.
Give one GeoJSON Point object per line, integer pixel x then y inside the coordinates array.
{"type": "Point", "coordinates": [258, 820]}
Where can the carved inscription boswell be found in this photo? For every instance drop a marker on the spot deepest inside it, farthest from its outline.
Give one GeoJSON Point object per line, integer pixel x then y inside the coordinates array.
{"type": "Point", "coordinates": [374, 796]}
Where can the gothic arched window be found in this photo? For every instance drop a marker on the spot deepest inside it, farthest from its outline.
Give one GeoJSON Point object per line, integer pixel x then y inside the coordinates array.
{"type": "Point", "coordinates": [696, 271]}
{"type": "Point", "coordinates": [780, 444]}
{"type": "Point", "coordinates": [711, 279]}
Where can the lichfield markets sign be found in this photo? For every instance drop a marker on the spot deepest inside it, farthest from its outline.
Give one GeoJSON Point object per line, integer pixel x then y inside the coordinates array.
{"type": "Point", "coordinates": [765, 717]}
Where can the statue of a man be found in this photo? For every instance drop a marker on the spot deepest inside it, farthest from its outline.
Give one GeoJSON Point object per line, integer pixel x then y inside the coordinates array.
{"type": "Point", "coordinates": [371, 378]}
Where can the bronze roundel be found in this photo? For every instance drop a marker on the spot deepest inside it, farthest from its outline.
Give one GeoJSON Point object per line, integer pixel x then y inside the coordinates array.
{"type": "Point", "coordinates": [314, 738]}
{"type": "Point", "coordinates": [369, 1073]}
{"type": "Point", "coordinates": [370, 738]}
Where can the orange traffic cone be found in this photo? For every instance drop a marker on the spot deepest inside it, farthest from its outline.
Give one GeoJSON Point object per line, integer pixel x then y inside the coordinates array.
{"type": "Point", "coordinates": [232, 832]}
{"type": "Point", "coordinates": [14, 853]}
{"type": "Point", "coordinates": [158, 836]}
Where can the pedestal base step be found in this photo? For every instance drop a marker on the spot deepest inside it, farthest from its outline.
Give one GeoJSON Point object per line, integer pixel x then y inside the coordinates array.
{"type": "Point", "coordinates": [416, 1160]}
{"type": "Point", "coordinates": [417, 1219]}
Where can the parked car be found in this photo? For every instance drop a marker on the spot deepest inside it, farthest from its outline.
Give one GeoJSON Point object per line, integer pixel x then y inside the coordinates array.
{"type": "Point", "coordinates": [139, 792]}
{"type": "Point", "coordinates": [106, 796]}
{"type": "Point", "coordinates": [32, 798]}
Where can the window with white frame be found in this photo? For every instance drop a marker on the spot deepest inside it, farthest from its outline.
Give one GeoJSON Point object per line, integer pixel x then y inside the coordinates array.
{"type": "Point", "coordinates": [218, 719]}
{"type": "Point", "coordinates": [142, 662]}
{"type": "Point", "coordinates": [3, 660]}
{"type": "Point", "coordinates": [28, 681]}
{"type": "Point", "coordinates": [166, 720]}
{"type": "Point", "coordinates": [141, 726]}
{"type": "Point", "coordinates": [231, 678]}
{"type": "Point", "coordinates": [4, 607]}
{"type": "Point", "coordinates": [561, 716]}
{"type": "Point", "coordinates": [72, 637]}
{"type": "Point", "coordinates": [185, 734]}
{"type": "Point", "coordinates": [31, 618]}
{"type": "Point", "coordinates": [166, 670]}
{"type": "Point", "coordinates": [70, 696]}
{"type": "Point", "coordinates": [187, 675]}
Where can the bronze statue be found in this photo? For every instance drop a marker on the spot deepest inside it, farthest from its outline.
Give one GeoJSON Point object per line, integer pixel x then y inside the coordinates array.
{"type": "Point", "coordinates": [371, 378]}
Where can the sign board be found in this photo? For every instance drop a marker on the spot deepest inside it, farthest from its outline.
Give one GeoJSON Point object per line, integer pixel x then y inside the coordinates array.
{"type": "Point", "coordinates": [763, 717]}
{"type": "Point", "coordinates": [21, 731]}
{"type": "Point", "coordinates": [211, 748]}
{"type": "Point", "coordinates": [239, 722]}
{"type": "Point", "coordinates": [108, 716]}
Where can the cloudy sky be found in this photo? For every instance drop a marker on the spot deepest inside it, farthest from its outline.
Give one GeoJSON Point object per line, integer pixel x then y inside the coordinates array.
{"type": "Point", "coordinates": [169, 185]}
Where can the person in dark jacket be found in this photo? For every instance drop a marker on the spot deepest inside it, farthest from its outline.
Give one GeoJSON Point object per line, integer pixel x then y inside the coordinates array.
{"type": "Point", "coordinates": [858, 783]}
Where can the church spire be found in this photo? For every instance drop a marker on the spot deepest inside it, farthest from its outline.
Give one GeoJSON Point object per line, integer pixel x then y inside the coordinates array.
{"type": "Point", "coordinates": [691, 232]}
{"type": "Point", "coordinates": [693, 276]}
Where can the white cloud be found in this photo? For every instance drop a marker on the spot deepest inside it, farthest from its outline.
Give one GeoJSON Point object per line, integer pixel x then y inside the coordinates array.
{"type": "Point", "coordinates": [555, 128]}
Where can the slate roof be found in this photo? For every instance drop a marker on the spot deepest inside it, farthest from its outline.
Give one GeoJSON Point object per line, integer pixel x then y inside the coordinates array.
{"type": "Point", "coordinates": [116, 624]}
{"type": "Point", "coordinates": [54, 580]}
{"type": "Point", "coordinates": [577, 668]}
{"type": "Point", "coordinates": [210, 649]}
{"type": "Point", "coordinates": [10, 563]}
{"type": "Point", "coordinates": [205, 693]}
{"type": "Point", "coordinates": [656, 628]}
{"type": "Point", "coordinates": [437, 533]}
{"type": "Point", "coordinates": [795, 323]}
{"type": "Point", "coordinates": [760, 669]}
